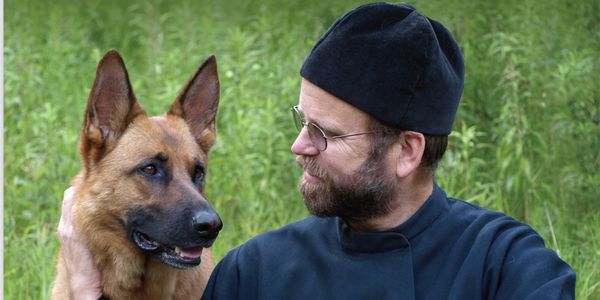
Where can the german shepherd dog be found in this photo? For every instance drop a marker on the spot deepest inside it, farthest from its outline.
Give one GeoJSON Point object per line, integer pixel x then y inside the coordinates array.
{"type": "Point", "coordinates": [138, 200]}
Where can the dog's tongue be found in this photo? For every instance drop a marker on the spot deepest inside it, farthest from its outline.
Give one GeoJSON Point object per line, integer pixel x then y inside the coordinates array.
{"type": "Point", "coordinates": [191, 253]}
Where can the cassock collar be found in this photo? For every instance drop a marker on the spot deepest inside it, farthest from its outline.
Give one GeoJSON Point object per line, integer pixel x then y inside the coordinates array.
{"type": "Point", "coordinates": [398, 237]}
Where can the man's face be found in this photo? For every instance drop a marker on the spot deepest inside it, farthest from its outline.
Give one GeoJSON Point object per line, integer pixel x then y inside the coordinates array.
{"type": "Point", "coordinates": [346, 179]}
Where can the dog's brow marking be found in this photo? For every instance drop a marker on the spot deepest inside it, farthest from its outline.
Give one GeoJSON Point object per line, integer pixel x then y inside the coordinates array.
{"type": "Point", "coordinates": [169, 138]}
{"type": "Point", "coordinates": [161, 156]}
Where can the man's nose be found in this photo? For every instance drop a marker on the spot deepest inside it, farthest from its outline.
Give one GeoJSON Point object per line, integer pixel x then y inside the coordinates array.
{"type": "Point", "coordinates": [303, 144]}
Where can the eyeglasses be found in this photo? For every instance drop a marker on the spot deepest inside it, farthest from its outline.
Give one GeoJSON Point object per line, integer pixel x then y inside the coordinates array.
{"type": "Point", "coordinates": [316, 134]}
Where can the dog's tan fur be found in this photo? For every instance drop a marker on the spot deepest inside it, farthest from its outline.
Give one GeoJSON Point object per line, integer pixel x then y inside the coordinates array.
{"type": "Point", "coordinates": [115, 137]}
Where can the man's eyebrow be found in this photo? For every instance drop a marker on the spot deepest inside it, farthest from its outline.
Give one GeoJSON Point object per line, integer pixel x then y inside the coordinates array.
{"type": "Point", "coordinates": [325, 124]}
{"type": "Point", "coordinates": [329, 127]}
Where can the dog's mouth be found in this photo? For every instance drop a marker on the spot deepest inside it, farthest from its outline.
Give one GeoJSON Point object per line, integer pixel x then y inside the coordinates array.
{"type": "Point", "coordinates": [171, 255]}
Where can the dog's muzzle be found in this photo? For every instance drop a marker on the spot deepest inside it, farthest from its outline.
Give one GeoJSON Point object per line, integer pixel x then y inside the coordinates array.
{"type": "Point", "coordinates": [176, 242]}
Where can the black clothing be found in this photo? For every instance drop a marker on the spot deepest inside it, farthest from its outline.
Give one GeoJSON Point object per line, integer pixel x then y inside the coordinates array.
{"type": "Point", "coordinates": [449, 249]}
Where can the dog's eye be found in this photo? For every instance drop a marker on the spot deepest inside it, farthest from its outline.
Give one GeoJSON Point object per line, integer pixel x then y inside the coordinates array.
{"type": "Point", "coordinates": [198, 174]}
{"type": "Point", "coordinates": [149, 169]}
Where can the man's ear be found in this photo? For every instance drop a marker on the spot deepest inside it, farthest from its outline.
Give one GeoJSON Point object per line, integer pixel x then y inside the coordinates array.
{"type": "Point", "coordinates": [198, 102]}
{"type": "Point", "coordinates": [111, 107]}
{"type": "Point", "coordinates": [408, 151]}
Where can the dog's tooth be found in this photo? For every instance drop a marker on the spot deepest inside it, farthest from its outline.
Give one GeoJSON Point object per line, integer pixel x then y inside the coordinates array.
{"type": "Point", "coordinates": [177, 250]}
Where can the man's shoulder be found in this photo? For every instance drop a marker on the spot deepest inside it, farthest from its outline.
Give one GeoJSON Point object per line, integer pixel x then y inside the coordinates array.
{"type": "Point", "coordinates": [491, 232]}
{"type": "Point", "coordinates": [473, 215]}
{"type": "Point", "coordinates": [289, 236]}
{"type": "Point", "coordinates": [457, 215]}
{"type": "Point", "coordinates": [305, 228]}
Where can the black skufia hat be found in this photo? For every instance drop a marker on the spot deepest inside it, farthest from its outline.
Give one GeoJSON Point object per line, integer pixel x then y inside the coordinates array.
{"type": "Point", "coordinates": [388, 60]}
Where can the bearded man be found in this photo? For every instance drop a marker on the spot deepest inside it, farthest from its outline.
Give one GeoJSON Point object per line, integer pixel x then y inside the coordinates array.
{"type": "Point", "coordinates": [378, 97]}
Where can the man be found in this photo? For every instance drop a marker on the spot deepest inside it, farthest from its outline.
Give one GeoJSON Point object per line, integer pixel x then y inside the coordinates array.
{"type": "Point", "coordinates": [377, 101]}
{"type": "Point", "coordinates": [378, 97]}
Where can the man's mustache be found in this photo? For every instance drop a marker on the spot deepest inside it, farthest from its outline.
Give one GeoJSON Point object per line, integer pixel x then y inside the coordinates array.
{"type": "Point", "coordinates": [310, 166]}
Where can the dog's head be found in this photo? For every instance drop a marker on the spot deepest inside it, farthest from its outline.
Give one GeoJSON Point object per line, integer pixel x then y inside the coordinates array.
{"type": "Point", "coordinates": [144, 177]}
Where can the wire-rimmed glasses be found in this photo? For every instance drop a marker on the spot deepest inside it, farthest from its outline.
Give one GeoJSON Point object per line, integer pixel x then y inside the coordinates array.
{"type": "Point", "coordinates": [316, 134]}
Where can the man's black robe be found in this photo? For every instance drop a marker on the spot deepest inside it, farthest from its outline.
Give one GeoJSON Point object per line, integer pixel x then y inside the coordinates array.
{"type": "Point", "coordinates": [449, 249]}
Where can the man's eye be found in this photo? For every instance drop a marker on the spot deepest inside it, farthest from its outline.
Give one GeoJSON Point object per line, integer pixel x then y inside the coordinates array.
{"type": "Point", "coordinates": [149, 169]}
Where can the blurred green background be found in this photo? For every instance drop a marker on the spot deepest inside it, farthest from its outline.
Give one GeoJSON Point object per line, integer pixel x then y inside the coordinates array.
{"type": "Point", "coordinates": [526, 140]}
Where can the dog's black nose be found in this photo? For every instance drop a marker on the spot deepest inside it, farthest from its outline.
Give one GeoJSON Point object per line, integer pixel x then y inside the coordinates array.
{"type": "Point", "coordinates": [207, 223]}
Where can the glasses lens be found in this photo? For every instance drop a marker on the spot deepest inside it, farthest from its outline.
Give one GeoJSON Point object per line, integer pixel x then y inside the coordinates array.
{"type": "Point", "coordinates": [297, 118]}
{"type": "Point", "coordinates": [317, 136]}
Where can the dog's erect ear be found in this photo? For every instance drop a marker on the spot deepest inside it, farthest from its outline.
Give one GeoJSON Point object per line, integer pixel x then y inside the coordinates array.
{"type": "Point", "coordinates": [111, 107]}
{"type": "Point", "coordinates": [198, 102]}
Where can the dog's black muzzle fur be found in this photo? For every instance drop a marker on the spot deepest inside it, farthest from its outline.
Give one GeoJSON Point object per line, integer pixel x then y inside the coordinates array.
{"type": "Point", "coordinates": [174, 235]}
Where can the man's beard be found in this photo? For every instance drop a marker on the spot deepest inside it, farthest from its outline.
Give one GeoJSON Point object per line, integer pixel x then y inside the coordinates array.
{"type": "Point", "coordinates": [355, 198]}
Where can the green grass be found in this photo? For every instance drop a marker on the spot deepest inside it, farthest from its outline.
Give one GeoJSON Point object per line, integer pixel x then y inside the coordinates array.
{"type": "Point", "coordinates": [526, 140]}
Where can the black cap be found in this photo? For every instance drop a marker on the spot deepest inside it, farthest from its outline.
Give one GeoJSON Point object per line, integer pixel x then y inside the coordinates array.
{"type": "Point", "coordinates": [388, 60]}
